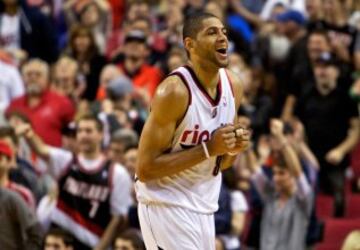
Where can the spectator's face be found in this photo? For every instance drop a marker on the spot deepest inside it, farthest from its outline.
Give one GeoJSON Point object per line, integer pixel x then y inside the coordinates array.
{"type": "Point", "coordinates": [55, 243]}
{"type": "Point", "coordinates": [130, 160]}
{"type": "Point", "coordinates": [214, 9]}
{"type": "Point", "coordinates": [82, 43]}
{"type": "Point", "coordinates": [326, 78]}
{"type": "Point", "coordinates": [175, 61]}
{"type": "Point", "coordinates": [35, 78]}
{"type": "Point", "coordinates": [138, 10]}
{"type": "Point", "coordinates": [317, 44]}
{"type": "Point", "coordinates": [141, 25]}
{"type": "Point", "coordinates": [210, 44]}
{"type": "Point", "coordinates": [135, 54]}
{"type": "Point", "coordinates": [5, 163]}
{"type": "Point", "coordinates": [90, 16]}
{"type": "Point", "coordinates": [116, 152]}
{"type": "Point", "coordinates": [65, 80]}
{"type": "Point", "coordinates": [331, 6]}
{"type": "Point", "coordinates": [122, 244]}
{"type": "Point", "coordinates": [313, 7]}
{"type": "Point", "coordinates": [88, 136]}
{"type": "Point", "coordinates": [11, 144]}
{"type": "Point", "coordinates": [282, 179]}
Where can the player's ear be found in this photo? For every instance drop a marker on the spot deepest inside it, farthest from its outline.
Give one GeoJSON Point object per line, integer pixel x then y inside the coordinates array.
{"type": "Point", "coordinates": [188, 43]}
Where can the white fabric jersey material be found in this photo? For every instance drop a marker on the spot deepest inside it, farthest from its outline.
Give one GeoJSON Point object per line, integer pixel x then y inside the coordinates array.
{"type": "Point", "coordinates": [196, 188]}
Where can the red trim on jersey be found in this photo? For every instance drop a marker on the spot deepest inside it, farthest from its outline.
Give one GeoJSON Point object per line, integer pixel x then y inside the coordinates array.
{"type": "Point", "coordinates": [183, 79]}
{"type": "Point", "coordinates": [23, 192]}
{"type": "Point", "coordinates": [230, 82]}
{"type": "Point", "coordinates": [180, 75]}
{"type": "Point", "coordinates": [91, 171]}
{"type": "Point", "coordinates": [79, 219]}
{"type": "Point", "coordinates": [202, 89]}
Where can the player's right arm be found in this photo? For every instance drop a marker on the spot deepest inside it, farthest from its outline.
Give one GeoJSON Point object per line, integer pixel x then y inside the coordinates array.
{"type": "Point", "coordinates": [168, 108]}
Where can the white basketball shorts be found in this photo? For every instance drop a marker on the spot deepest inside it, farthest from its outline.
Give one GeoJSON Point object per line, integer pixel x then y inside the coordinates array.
{"type": "Point", "coordinates": [176, 228]}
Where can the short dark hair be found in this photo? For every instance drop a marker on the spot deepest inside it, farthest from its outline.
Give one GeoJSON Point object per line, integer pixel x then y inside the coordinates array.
{"type": "Point", "coordinates": [193, 23]}
{"type": "Point", "coordinates": [134, 237]}
{"type": "Point", "coordinates": [61, 233]}
{"type": "Point", "coordinates": [321, 32]}
{"type": "Point", "coordinates": [127, 137]}
{"type": "Point", "coordinates": [279, 159]}
{"type": "Point", "coordinates": [91, 117]}
{"type": "Point", "coordinates": [7, 131]}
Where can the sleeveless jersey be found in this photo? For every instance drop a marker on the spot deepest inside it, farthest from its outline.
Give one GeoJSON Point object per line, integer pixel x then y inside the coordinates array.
{"type": "Point", "coordinates": [196, 188]}
{"type": "Point", "coordinates": [83, 205]}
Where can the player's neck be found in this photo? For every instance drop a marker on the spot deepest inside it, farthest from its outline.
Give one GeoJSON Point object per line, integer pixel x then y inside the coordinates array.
{"type": "Point", "coordinates": [208, 76]}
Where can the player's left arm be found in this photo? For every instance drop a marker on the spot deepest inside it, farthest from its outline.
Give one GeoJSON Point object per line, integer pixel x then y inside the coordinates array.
{"type": "Point", "coordinates": [243, 141]}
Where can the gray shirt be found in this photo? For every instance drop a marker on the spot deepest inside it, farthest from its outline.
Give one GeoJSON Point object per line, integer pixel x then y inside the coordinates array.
{"type": "Point", "coordinates": [283, 228]}
{"type": "Point", "coordinates": [19, 228]}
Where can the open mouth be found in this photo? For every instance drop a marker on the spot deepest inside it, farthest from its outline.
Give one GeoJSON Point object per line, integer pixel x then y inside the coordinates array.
{"type": "Point", "coordinates": [222, 51]}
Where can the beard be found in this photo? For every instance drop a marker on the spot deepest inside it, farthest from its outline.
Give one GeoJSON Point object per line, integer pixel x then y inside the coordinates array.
{"type": "Point", "coordinates": [325, 87]}
{"type": "Point", "coordinates": [33, 89]}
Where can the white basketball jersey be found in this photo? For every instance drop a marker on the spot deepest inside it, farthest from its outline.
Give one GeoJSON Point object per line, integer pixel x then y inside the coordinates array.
{"type": "Point", "coordinates": [198, 187]}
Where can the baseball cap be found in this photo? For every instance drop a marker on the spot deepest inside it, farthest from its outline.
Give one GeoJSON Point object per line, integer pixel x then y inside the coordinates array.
{"type": "Point", "coordinates": [326, 59]}
{"type": "Point", "coordinates": [291, 15]}
{"type": "Point", "coordinates": [5, 149]}
{"type": "Point", "coordinates": [119, 87]}
{"type": "Point", "coordinates": [135, 35]}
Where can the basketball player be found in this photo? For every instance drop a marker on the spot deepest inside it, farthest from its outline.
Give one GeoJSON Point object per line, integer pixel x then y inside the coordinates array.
{"type": "Point", "coordinates": [190, 135]}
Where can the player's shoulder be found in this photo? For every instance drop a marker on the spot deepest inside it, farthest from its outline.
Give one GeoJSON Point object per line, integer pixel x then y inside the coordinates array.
{"type": "Point", "coordinates": [172, 87]}
{"type": "Point", "coordinates": [172, 94]}
{"type": "Point", "coordinates": [234, 78]}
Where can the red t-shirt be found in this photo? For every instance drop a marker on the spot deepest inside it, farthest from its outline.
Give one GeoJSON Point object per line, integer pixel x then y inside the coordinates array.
{"type": "Point", "coordinates": [147, 77]}
{"type": "Point", "coordinates": [49, 117]}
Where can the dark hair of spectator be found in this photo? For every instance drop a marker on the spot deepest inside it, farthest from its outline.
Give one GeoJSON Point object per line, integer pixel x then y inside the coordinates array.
{"type": "Point", "coordinates": [321, 32]}
{"type": "Point", "coordinates": [18, 115]}
{"type": "Point", "coordinates": [134, 237]}
{"type": "Point", "coordinates": [6, 131]}
{"type": "Point", "coordinates": [278, 160]}
{"type": "Point", "coordinates": [127, 137]}
{"type": "Point", "coordinates": [61, 233]}
{"type": "Point", "coordinates": [91, 117]}
{"type": "Point", "coordinates": [78, 31]}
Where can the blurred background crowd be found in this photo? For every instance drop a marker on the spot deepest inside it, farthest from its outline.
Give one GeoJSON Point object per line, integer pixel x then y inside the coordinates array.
{"type": "Point", "coordinates": [76, 82]}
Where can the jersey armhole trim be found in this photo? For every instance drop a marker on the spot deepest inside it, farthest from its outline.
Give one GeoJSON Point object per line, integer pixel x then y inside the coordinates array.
{"type": "Point", "coordinates": [230, 82]}
{"type": "Point", "coordinates": [181, 76]}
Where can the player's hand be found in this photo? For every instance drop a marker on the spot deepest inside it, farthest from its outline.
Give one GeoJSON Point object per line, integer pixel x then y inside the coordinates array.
{"type": "Point", "coordinates": [222, 141]}
{"type": "Point", "coordinates": [243, 138]}
{"type": "Point", "coordinates": [334, 156]}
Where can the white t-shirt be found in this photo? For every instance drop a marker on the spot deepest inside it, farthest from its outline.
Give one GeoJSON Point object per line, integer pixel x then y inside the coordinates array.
{"type": "Point", "coordinates": [120, 198]}
{"type": "Point", "coordinates": [11, 85]}
{"type": "Point", "coordinates": [10, 31]}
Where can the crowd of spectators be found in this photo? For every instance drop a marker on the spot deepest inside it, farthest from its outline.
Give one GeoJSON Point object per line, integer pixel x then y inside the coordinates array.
{"type": "Point", "coordinates": [76, 82]}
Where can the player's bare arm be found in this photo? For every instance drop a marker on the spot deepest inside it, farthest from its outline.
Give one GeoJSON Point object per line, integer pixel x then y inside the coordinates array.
{"type": "Point", "coordinates": [167, 110]}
